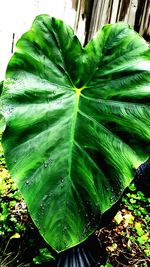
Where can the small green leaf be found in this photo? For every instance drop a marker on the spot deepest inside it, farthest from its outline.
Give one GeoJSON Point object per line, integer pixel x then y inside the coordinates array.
{"type": "Point", "coordinates": [132, 187]}
{"type": "Point", "coordinates": [139, 229]}
{"type": "Point", "coordinates": [147, 252]}
{"type": "Point", "coordinates": [144, 211]}
{"type": "Point", "coordinates": [12, 203]}
{"type": "Point", "coordinates": [129, 218]}
{"type": "Point", "coordinates": [137, 212]}
{"type": "Point", "coordinates": [13, 219]}
{"type": "Point", "coordinates": [106, 265]}
{"type": "Point", "coordinates": [132, 201]}
{"type": "Point", "coordinates": [118, 218]}
{"type": "Point", "coordinates": [5, 211]}
{"type": "Point", "coordinates": [132, 238]}
{"type": "Point", "coordinates": [140, 195]}
{"type": "Point", "coordinates": [43, 257]}
{"type": "Point", "coordinates": [20, 227]}
{"type": "Point", "coordinates": [147, 218]}
{"type": "Point", "coordinates": [142, 239]}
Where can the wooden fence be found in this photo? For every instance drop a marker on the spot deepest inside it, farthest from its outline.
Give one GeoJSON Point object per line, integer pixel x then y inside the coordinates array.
{"type": "Point", "coordinates": [84, 16]}
{"type": "Point", "coordinates": [99, 12]}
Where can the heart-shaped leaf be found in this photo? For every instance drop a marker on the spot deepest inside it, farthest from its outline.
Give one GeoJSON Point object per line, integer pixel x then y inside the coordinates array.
{"type": "Point", "coordinates": [78, 124]}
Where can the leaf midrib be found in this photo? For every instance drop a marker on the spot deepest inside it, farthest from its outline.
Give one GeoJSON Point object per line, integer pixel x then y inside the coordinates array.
{"type": "Point", "coordinates": [73, 126]}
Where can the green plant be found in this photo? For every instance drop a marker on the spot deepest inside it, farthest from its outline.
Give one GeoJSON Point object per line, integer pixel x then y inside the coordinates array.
{"type": "Point", "coordinates": [126, 238]}
{"type": "Point", "coordinates": [77, 124]}
{"type": "Point", "coordinates": [10, 200]}
{"type": "Point", "coordinates": [44, 256]}
{"type": "Point", "coordinates": [106, 265]}
{"type": "Point", "coordinates": [135, 220]}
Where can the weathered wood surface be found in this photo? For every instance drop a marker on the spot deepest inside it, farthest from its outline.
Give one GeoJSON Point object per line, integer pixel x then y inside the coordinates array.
{"type": "Point", "coordinates": [84, 16]}
{"type": "Point", "coordinates": [134, 12]}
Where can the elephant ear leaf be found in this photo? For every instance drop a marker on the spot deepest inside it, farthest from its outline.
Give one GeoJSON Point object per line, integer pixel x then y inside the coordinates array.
{"type": "Point", "coordinates": [78, 124]}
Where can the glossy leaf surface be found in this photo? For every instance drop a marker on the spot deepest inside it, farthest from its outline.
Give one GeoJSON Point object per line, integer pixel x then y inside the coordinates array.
{"type": "Point", "coordinates": [78, 124]}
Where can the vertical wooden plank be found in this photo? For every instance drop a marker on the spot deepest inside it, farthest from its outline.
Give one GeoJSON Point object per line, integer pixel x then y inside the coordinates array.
{"type": "Point", "coordinates": [132, 12]}
{"type": "Point", "coordinates": [105, 13]}
{"type": "Point", "coordinates": [146, 23]}
{"type": "Point", "coordinates": [139, 14]}
{"type": "Point", "coordinates": [110, 11]}
{"type": "Point", "coordinates": [114, 11]}
{"type": "Point", "coordinates": [82, 21]}
{"type": "Point", "coordinates": [142, 20]}
{"type": "Point", "coordinates": [145, 26]}
{"type": "Point", "coordinates": [123, 11]}
{"type": "Point", "coordinates": [78, 8]}
{"type": "Point", "coordinates": [13, 42]}
{"type": "Point", "coordinates": [96, 18]}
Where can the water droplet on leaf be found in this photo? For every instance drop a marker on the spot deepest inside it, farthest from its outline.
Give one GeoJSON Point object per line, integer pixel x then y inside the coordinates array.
{"type": "Point", "coordinates": [112, 199]}
{"type": "Point", "coordinates": [45, 197]}
{"type": "Point", "coordinates": [45, 165]}
{"type": "Point", "coordinates": [65, 228]}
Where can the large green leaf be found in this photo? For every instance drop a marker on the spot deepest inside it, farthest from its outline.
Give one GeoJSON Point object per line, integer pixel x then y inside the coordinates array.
{"type": "Point", "coordinates": [78, 124]}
